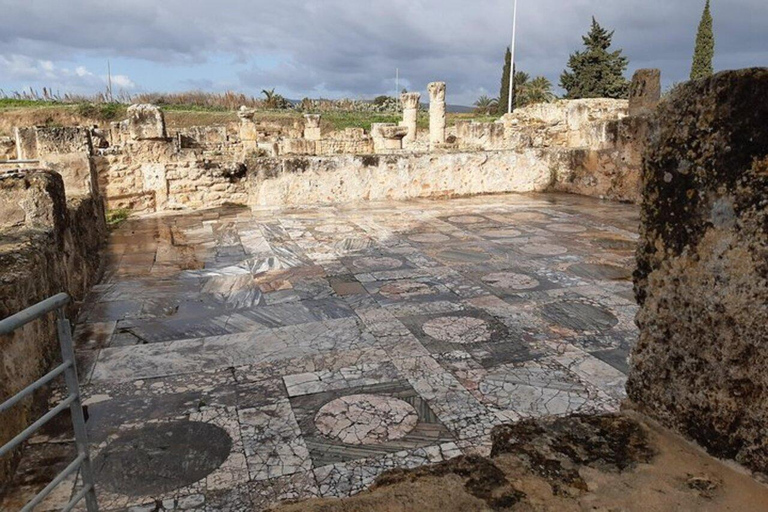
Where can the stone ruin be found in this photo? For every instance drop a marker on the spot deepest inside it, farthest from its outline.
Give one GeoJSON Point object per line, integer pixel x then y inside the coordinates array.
{"type": "Point", "coordinates": [696, 162]}
{"type": "Point", "coordinates": [590, 147]}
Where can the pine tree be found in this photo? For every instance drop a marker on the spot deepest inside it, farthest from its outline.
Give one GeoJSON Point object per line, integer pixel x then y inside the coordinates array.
{"type": "Point", "coordinates": [504, 91]}
{"type": "Point", "coordinates": [596, 72]}
{"type": "Point", "coordinates": [705, 47]}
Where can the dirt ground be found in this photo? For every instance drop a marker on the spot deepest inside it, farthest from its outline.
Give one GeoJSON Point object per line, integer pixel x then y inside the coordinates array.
{"type": "Point", "coordinates": [618, 463]}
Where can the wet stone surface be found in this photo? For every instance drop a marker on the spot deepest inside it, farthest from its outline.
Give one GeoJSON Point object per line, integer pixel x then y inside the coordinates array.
{"type": "Point", "coordinates": [234, 358]}
{"type": "Point", "coordinates": [159, 458]}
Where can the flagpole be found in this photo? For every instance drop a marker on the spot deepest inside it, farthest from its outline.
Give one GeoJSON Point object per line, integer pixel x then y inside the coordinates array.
{"type": "Point", "coordinates": [512, 59]}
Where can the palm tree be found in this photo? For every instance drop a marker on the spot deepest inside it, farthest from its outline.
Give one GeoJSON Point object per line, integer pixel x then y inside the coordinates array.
{"type": "Point", "coordinates": [539, 91]}
{"type": "Point", "coordinates": [273, 100]}
{"type": "Point", "coordinates": [485, 105]}
{"type": "Point", "coordinates": [527, 91]}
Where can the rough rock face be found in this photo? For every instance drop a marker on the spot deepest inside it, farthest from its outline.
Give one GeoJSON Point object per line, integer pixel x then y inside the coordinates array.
{"type": "Point", "coordinates": [644, 92]}
{"type": "Point", "coordinates": [48, 244]}
{"type": "Point", "coordinates": [702, 278]}
{"type": "Point", "coordinates": [570, 464]}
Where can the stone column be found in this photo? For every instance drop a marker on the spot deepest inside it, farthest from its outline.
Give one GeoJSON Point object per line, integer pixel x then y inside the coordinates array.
{"type": "Point", "coordinates": [644, 92]}
{"type": "Point", "coordinates": [312, 126]}
{"type": "Point", "coordinates": [247, 132]}
{"type": "Point", "coordinates": [436, 113]}
{"type": "Point", "coordinates": [410, 102]}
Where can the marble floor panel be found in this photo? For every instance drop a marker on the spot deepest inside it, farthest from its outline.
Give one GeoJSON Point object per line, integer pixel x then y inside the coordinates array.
{"type": "Point", "coordinates": [232, 358]}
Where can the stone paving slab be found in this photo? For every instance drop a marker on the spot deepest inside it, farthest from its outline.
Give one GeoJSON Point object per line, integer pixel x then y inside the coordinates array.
{"type": "Point", "coordinates": [259, 355]}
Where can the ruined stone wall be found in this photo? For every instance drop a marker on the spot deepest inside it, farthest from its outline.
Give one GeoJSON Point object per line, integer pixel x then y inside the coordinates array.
{"type": "Point", "coordinates": [66, 150]}
{"type": "Point", "coordinates": [702, 279]}
{"type": "Point", "coordinates": [48, 244]}
{"type": "Point", "coordinates": [344, 178]}
{"type": "Point", "coordinates": [158, 175]}
{"type": "Point", "coordinates": [612, 171]}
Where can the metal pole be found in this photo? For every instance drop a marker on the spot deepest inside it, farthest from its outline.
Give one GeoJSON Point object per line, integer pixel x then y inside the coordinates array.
{"type": "Point", "coordinates": [397, 86]}
{"type": "Point", "coordinates": [512, 59]}
{"type": "Point", "coordinates": [76, 409]}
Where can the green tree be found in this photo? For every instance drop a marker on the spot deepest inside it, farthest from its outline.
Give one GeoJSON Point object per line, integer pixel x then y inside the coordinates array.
{"type": "Point", "coordinates": [596, 72]}
{"type": "Point", "coordinates": [705, 47]}
{"type": "Point", "coordinates": [504, 90]}
{"type": "Point", "coordinates": [538, 90]}
{"type": "Point", "coordinates": [485, 105]}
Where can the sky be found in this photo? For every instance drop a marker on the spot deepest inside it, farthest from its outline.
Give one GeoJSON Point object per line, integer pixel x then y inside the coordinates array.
{"type": "Point", "coordinates": [348, 48]}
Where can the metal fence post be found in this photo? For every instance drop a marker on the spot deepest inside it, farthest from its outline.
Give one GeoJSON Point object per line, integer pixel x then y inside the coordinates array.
{"type": "Point", "coordinates": [76, 409]}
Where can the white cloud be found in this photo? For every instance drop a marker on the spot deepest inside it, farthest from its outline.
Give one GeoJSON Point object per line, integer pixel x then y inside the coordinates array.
{"type": "Point", "coordinates": [37, 74]}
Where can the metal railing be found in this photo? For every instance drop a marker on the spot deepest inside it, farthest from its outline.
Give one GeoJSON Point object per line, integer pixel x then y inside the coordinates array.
{"type": "Point", "coordinates": [69, 370]}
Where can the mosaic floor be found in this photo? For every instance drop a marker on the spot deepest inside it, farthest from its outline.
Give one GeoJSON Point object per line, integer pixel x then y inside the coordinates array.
{"type": "Point", "coordinates": [233, 358]}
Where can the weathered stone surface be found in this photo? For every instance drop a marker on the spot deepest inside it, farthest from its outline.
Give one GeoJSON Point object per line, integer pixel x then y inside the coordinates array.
{"type": "Point", "coordinates": [146, 122]}
{"type": "Point", "coordinates": [436, 112]}
{"type": "Point", "coordinates": [48, 244]}
{"type": "Point", "coordinates": [343, 178]}
{"type": "Point", "coordinates": [312, 126]}
{"type": "Point", "coordinates": [702, 277]}
{"type": "Point", "coordinates": [644, 92]}
{"type": "Point", "coordinates": [601, 463]}
{"type": "Point", "coordinates": [410, 101]}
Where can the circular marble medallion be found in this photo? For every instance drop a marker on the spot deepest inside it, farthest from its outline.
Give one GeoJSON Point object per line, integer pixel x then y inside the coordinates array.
{"type": "Point", "coordinates": [511, 280]}
{"type": "Point", "coordinates": [429, 238]}
{"type": "Point", "coordinates": [404, 289]}
{"type": "Point", "coordinates": [366, 419]}
{"type": "Point", "coordinates": [334, 228]}
{"type": "Point", "coordinates": [543, 249]}
{"type": "Point", "coordinates": [466, 219]}
{"type": "Point", "coordinates": [458, 329]}
{"type": "Point", "coordinates": [566, 228]}
{"type": "Point", "coordinates": [501, 233]}
{"type": "Point", "coordinates": [377, 263]}
{"type": "Point", "coordinates": [160, 457]}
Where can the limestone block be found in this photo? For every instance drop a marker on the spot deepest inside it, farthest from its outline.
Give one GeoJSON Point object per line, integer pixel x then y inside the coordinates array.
{"type": "Point", "coordinates": [26, 143]}
{"type": "Point", "coordinates": [702, 280]}
{"type": "Point", "coordinates": [393, 136]}
{"type": "Point", "coordinates": [146, 122]}
{"type": "Point", "coordinates": [298, 147]}
{"type": "Point", "coordinates": [436, 112]}
{"type": "Point", "coordinates": [32, 198]}
{"type": "Point", "coordinates": [644, 91]}
{"type": "Point", "coordinates": [312, 126]}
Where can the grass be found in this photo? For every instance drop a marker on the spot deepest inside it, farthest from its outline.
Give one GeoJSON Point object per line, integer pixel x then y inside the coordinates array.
{"type": "Point", "coordinates": [197, 113]}
{"type": "Point", "coordinates": [22, 103]}
{"type": "Point", "coordinates": [116, 217]}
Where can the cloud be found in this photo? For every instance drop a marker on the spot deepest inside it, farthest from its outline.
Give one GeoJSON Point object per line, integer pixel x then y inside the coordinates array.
{"type": "Point", "coordinates": [45, 73]}
{"type": "Point", "coordinates": [352, 47]}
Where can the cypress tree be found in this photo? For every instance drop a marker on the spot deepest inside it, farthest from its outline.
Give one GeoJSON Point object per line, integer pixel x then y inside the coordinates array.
{"type": "Point", "coordinates": [596, 72]}
{"type": "Point", "coordinates": [705, 47]}
{"type": "Point", "coordinates": [504, 91]}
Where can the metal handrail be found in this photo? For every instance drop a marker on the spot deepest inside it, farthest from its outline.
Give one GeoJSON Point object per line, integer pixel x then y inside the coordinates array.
{"type": "Point", "coordinates": [72, 401]}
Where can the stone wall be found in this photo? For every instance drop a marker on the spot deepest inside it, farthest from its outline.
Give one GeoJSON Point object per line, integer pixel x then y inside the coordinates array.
{"type": "Point", "coordinates": [66, 150]}
{"type": "Point", "coordinates": [344, 178]}
{"type": "Point", "coordinates": [589, 147]}
{"type": "Point", "coordinates": [702, 279]}
{"type": "Point", "coordinates": [158, 175]}
{"type": "Point", "coordinates": [48, 244]}
{"type": "Point", "coordinates": [612, 171]}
